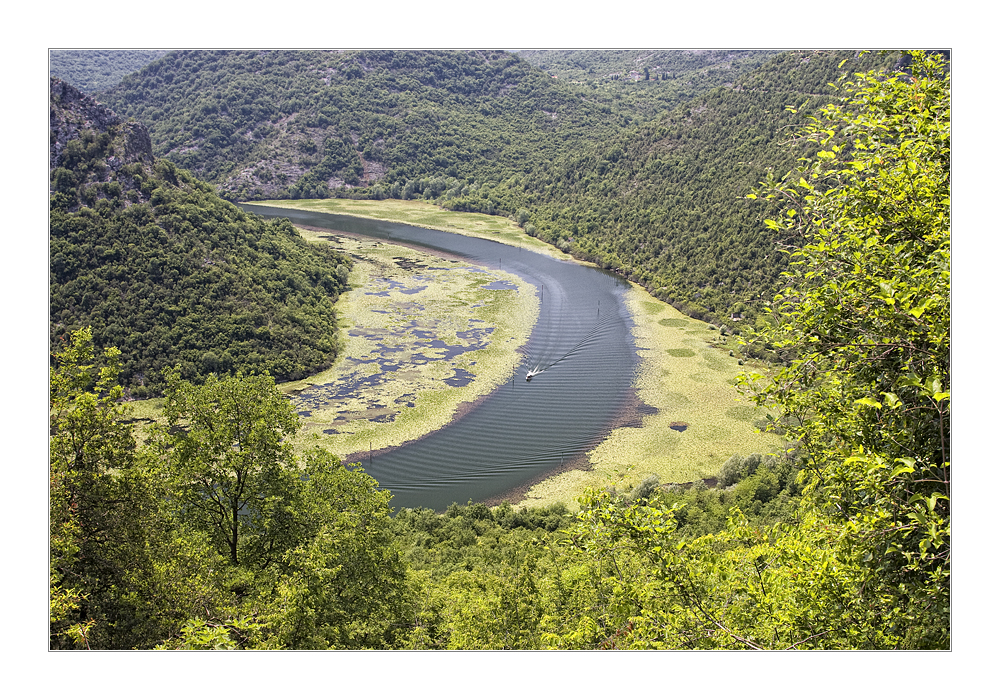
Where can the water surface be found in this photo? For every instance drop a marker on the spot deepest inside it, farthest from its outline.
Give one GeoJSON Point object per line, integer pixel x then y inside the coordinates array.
{"type": "Point", "coordinates": [581, 354]}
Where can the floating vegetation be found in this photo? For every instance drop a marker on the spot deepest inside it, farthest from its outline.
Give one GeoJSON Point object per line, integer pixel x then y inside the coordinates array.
{"type": "Point", "coordinates": [407, 352]}
{"type": "Point", "coordinates": [414, 353]}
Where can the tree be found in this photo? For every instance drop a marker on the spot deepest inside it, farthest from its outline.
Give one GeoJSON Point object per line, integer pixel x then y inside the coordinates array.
{"type": "Point", "coordinates": [98, 500]}
{"type": "Point", "coordinates": [232, 467]}
{"type": "Point", "coordinates": [121, 574]}
{"type": "Point", "coordinates": [312, 561]}
{"type": "Point", "coordinates": [866, 321]}
{"type": "Point", "coordinates": [344, 582]}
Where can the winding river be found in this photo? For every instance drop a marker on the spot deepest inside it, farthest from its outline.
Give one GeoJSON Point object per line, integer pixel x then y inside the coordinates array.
{"type": "Point", "coordinates": [581, 356]}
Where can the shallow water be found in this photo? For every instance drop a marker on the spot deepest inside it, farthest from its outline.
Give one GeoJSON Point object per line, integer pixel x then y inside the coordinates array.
{"type": "Point", "coordinates": [581, 348]}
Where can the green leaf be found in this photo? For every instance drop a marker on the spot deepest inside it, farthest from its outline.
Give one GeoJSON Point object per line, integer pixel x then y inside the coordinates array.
{"type": "Point", "coordinates": [906, 468]}
{"type": "Point", "coordinates": [868, 402]}
{"type": "Point", "coordinates": [918, 311]}
{"type": "Point", "coordinates": [892, 400]}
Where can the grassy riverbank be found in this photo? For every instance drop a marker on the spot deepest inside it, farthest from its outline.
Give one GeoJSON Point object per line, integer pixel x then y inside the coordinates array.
{"type": "Point", "coordinates": [426, 215]}
{"type": "Point", "coordinates": [694, 417]}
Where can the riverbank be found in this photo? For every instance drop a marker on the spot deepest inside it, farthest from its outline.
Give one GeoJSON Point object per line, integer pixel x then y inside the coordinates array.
{"type": "Point", "coordinates": [426, 215]}
{"type": "Point", "coordinates": [689, 417]}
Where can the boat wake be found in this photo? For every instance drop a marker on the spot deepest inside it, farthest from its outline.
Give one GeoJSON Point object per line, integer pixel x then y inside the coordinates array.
{"type": "Point", "coordinates": [542, 365]}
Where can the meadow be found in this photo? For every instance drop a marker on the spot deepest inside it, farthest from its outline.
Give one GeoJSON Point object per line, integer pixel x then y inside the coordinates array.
{"type": "Point", "coordinates": [693, 418]}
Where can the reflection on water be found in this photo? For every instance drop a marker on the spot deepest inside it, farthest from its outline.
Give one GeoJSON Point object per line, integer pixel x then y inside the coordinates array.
{"type": "Point", "coordinates": [523, 430]}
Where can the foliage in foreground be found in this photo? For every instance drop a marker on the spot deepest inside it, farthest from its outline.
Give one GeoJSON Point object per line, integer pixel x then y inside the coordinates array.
{"type": "Point", "coordinates": [308, 558]}
{"type": "Point", "coordinates": [867, 315]}
{"type": "Point", "coordinates": [209, 534]}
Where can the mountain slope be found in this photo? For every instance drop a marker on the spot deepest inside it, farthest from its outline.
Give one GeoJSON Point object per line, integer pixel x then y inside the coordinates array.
{"type": "Point", "coordinates": [167, 271]}
{"type": "Point", "coordinates": [645, 83]}
{"type": "Point", "coordinates": [659, 199]}
{"type": "Point", "coordinates": [93, 70]}
{"type": "Point", "coordinates": [664, 202]}
{"type": "Point", "coordinates": [303, 123]}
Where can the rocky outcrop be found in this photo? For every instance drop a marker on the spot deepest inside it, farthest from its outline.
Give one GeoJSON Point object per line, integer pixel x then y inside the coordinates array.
{"type": "Point", "coordinates": [94, 154]}
{"type": "Point", "coordinates": [71, 113]}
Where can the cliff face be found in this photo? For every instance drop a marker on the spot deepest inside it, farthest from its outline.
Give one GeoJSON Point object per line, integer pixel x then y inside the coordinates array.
{"type": "Point", "coordinates": [90, 145]}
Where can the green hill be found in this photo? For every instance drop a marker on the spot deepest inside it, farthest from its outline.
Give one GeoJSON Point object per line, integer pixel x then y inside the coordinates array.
{"type": "Point", "coordinates": [645, 83]}
{"type": "Point", "coordinates": [167, 271]}
{"type": "Point", "coordinates": [265, 124]}
{"type": "Point", "coordinates": [664, 202]}
{"type": "Point", "coordinates": [630, 177]}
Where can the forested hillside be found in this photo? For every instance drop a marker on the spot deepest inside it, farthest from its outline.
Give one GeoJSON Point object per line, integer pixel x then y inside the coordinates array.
{"type": "Point", "coordinates": [663, 203]}
{"type": "Point", "coordinates": [205, 530]}
{"type": "Point", "coordinates": [645, 83]}
{"type": "Point", "coordinates": [265, 124]}
{"type": "Point", "coordinates": [169, 273]}
{"type": "Point", "coordinates": [93, 70]}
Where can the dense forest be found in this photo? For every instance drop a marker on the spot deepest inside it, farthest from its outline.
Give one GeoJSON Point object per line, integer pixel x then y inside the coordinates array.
{"type": "Point", "coordinates": [166, 271]}
{"type": "Point", "coordinates": [652, 188]}
{"type": "Point", "coordinates": [646, 83]}
{"type": "Point", "coordinates": [261, 124]}
{"type": "Point", "coordinates": [663, 202]}
{"type": "Point", "coordinates": [206, 531]}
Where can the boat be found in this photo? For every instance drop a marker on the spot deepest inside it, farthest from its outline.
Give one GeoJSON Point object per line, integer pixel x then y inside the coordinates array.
{"type": "Point", "coordinates": [531, 373]}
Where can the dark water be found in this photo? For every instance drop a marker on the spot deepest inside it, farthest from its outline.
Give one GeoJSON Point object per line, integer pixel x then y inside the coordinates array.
{"type": "Point", "coordinates": [581, 348]}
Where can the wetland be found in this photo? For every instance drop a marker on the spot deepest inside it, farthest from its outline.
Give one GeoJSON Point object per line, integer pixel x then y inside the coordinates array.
{"type": "Point", "coordinates": [441, 330]}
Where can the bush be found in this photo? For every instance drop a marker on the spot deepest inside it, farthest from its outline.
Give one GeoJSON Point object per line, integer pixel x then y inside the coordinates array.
{"type": "Point", "coordinates": [643, 491]}
{"type": "Point", "coordinates": [730, 472]}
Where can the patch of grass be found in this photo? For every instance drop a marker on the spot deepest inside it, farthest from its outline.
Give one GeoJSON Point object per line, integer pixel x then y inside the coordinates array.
{"type": "Point", "coordinates": [147, 409]}
{"type": "Point", "coordinates": [744, 413]}
{"type": "Point", "coordinates": [680, 352]}
{"type": "Point", "coordinates": [673, 321]}
{"type": "Point", "coordinates": [675, 398]}
{"type": "Point", "coordinates": [714, 359]}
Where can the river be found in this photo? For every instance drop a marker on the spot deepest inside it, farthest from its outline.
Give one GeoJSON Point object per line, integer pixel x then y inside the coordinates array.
{"type": "Point", "coordinates": [581, 348]}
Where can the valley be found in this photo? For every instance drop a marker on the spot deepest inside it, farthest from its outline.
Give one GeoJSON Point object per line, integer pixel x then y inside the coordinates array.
{"type": "Point", "coordinates": [372, 349]}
